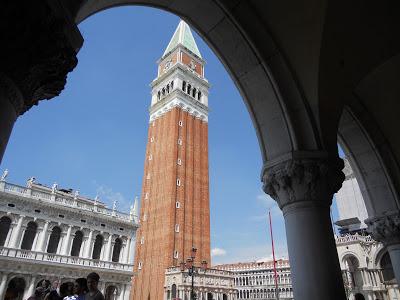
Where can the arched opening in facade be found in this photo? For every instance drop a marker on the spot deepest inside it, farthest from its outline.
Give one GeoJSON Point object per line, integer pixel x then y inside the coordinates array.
{"type": "Point", "coordinates": [387, 268]}
{"type": "Point", "coordinates": [224, 297]}
{"type": "Point", "coordinates": [77, 243]}
{"type": "Point", "coordinates": [29, 236]}
{"type": "Point", "coordinates": [116, 250]}
{"type": "Point", "coordinates": [111, 293]}
{"type": "Point", "coordinates": [45, 284]}
{"type": "Point", "coordinates": [54, 240]}
{"type": "Point", "coordinates": [210, 296]}
{"type": "Point", "coordinates": [15, 289]}
{"type": "Point", "coordinates": [5, 223]}
{"type": "Point", "coordinates": [352, 276]}
{"type": "Point", "coordinates": [359, 296]}
{"type": "Point", "coordinates": [98, 244]}
{"type": "Point", "coordinates": [173, 291]}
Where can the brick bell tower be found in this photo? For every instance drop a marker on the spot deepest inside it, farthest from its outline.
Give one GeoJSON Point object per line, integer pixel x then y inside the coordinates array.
{"type": "Point", "coordinates": [174, 213]}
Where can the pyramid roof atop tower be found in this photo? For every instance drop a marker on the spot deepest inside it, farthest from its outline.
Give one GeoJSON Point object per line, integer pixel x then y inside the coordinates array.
{"type": "Point", "coordinates": [183, 36]}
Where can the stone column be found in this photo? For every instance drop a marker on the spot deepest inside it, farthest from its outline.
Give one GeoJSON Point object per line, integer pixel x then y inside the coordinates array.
{"type": "Point", "coordinates": [15, 238]}
{"type": "Point", "coordinates": [304, 187]}
{"type": "Point", "coordinates": [108, 248]}
{"type": "Point", "coordinates": [31, 289]}
{"type": "Point", "coordinates": [122, 292]}
{"type": "Point", "coordinates": [31, 71]}
{"type": "Point", "coordinates": [126, 251]}
{"type": "Point", "coordinates": [386, 229]}
{"type": "Point", "coordinates": [3, 284]}
{"type": "Point", "coordinates": [43, 237]}
{"type": "Point", "coordinates": [67, 241]}
{"type": "Point", "coordinates": [88, 244]}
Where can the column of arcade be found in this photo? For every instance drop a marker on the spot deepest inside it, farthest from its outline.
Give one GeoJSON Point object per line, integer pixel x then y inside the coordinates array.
{"type": "Point", "coordinates": [45, 236]}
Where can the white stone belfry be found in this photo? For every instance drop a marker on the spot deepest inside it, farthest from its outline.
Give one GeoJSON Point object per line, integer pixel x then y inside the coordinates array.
{"type": "Point", "coordinates": [180, 80]}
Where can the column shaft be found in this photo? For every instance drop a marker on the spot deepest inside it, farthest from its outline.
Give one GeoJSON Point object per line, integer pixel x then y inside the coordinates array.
{"type": "Point", "coordinates": [108, 249]}
{"type": "Point", "coordinates": [8, 116]}
{"type": "Point", "coordinates": [43, 237]}
{"type": "Point", "coordinates": [313, 256]}
{"type": "Point", "coordinates": [3, 285]}
{"type": "Point", "coordinates": [31, 289]}
{"type": "Point", "coordinates": [67, 241]}
{"type": "Point", "coordinates": [394, 253]}
{"type": "Point", "coordinates": [88, 245]}
{"type": "Point", "coordinates": [15, 238]}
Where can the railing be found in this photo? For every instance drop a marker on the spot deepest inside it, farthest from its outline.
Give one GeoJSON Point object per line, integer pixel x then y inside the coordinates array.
{"type": "Point", "coordinates": [63, 259]}
{"type": "Point", "coordinates": [354, 238]}
{"type": "Point", "coordinates": [65, 200]}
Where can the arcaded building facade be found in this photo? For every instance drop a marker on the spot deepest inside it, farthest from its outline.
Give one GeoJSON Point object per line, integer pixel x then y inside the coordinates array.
{"type": "Point", "coordinates": [256, 280]}
{"type": "Point", "coordinates": [53, 234]}
{"type": "Point", "coordinates": [174, 213]}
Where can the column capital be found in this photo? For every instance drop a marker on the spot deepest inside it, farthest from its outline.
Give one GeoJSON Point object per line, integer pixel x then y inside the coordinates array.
{"type": "Point", "coordinates": [39, 50]}
{"type": "Point", "coordinates": [385, 228]}
{"type": "Point", "coordinates": [303, 181]}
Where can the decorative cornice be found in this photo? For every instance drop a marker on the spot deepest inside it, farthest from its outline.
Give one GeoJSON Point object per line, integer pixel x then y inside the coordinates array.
{"type": "Point", "coordinates": [303, 181]}
{"type": "Point", "coordinates": [385, 228]}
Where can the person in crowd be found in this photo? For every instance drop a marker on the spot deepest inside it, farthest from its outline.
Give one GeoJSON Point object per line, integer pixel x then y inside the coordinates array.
{"type": "Point", "coordinates": [67, 291]}
{"type": "Point", "coordinates": [92, 284]}
{"type": "Point", "coordinates": [80, 288]}
{"type": "Point", "coordinates": [53, 294]}
{"type": "Point", "coordinates": [39, 293]}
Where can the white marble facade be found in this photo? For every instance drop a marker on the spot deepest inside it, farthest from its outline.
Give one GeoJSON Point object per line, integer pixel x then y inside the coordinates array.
{"type": "Point", "coordinates": [209, 284]}
{"type": "Point", "coordinates": [52, 234]}
{"type": "Point", "coordinates": [256, 280]}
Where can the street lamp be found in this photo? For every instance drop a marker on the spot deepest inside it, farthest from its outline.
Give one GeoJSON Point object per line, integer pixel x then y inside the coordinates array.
{"type": "Point", "coordinates": [191, 270]}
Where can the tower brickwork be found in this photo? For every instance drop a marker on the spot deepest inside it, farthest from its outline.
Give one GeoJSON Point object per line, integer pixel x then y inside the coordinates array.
{"type": "Point", "coordinates": [174, 213]}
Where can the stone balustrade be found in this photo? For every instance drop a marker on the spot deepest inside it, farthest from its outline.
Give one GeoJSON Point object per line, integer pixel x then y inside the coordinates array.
{"type": "Point", "coordinates": [63, 259]}
{"type": "Point", "coordinates": [63, 199]}
{"type": "Point", "coordinates": [353, 238]}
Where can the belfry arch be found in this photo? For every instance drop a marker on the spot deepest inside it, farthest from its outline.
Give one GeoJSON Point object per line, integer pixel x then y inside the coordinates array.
{"type": "Point", "coordinates": [295, 77]}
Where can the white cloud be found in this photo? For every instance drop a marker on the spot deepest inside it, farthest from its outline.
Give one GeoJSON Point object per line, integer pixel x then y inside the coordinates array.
{"type": "Point", "coordinates": [218, 252]}
{"type": "Point", "coordinates": [108, 196]}
{"type": "Point", "coordinates": [268, 204]}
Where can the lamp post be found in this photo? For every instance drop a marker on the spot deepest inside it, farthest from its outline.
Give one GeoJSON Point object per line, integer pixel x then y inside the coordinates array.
{"type": "Point", "coordinates": [191, 270]}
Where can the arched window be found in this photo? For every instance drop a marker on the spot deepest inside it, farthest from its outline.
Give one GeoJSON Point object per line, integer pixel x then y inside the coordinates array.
{"type": "Point", "coordinates": [194, 92]}
{"type": "Point", "coordinates": [172, 85]}
{"type": "Point", "coordinates": [29, 236]}
{"type": "Point", "coordinates": [168, 88]}
{"type": "Point", "coordinates": [359, 297]}
{"type": "Point", "coordinates": [77, 243]}
{"type": "Point", "coordinates": [184, 86]}
{"type": "Point", "coordinates": [15, 289]}
{"type": "Point", "coordinates": [116, 250]}
{"type": "Point", "coordinates": [158, 95]}
{"type": "Point", "coordinates": [173, 291]}
{"type": "Point", "coordinates": [98, 244]}
{"type": "Point", "coordinates": [199, 96]}
{"type": "Point", "coordinates": [224, 297]}
{"type": "Point", "coordinates": [54, 240]}
{"type": "Point", "coordinates": [189, 88]}
{"type": "Point", "coordinates": [5, 223]}
{"type": "Point", "coordinates": [111, 293]}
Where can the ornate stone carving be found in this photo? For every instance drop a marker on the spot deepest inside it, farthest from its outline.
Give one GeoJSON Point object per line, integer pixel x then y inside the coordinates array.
{"type": "Point", "coordinates": [385, 228]}
{"type": "Point", "coordinates": [303, 180]}
{"type": "Point", "coordinates": [39, 47]}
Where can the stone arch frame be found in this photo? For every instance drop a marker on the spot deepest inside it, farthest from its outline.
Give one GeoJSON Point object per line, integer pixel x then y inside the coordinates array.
{"type": "Point", "coordinates": [118, 245]}
{"type": "Point", "coordinates": [371, 160]}
{"type": "Point", "coordinates": [96, 253]}
{"type": "Point", "coordinates": [347, 254]}
{"type": "Point", "coordinates": [378, 256]}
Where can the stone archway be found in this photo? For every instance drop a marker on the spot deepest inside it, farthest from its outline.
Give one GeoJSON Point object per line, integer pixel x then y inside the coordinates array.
{"type": "Point", "coordinates": [15, 289]}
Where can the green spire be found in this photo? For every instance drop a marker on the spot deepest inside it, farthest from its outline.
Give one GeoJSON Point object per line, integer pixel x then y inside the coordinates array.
{"type": "Point", "coordinates": [183, 35]}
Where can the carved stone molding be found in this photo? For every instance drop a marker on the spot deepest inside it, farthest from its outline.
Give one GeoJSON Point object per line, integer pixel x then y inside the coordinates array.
{"type": "Point", "coordinates": [385, 228]}
{"type": "Point", "coordinates": [303, 180]}
{"type": "Point", "coordinates": [39, 47]}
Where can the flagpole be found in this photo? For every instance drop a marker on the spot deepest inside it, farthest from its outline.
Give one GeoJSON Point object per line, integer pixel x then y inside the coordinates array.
{"type": "Point", "coordinates": [273, 257]}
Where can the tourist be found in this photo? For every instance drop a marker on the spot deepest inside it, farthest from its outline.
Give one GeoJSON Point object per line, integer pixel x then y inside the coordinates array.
{"type": "Point", "coordinates": [67, 291]}
{"type": "Point", "coordinates": [80, 288]}
{"type": "Point", "coordinates": [92, 284]}
{"type": "Point", "coordinates": [39, 293]}
{"type": "Point", "coordinates": [53, 294]}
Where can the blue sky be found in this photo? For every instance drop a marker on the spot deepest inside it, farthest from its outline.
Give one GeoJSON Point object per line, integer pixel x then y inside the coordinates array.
{"type": "Point", "coordinates": [92, 137]}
